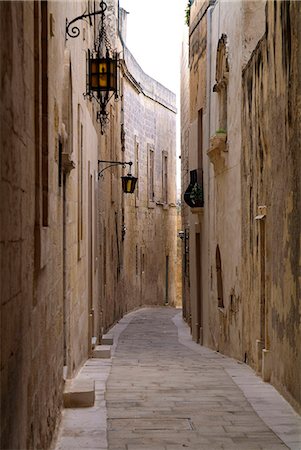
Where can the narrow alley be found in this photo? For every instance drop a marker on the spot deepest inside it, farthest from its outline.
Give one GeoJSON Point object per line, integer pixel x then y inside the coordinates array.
{"type": "Point", "coordinates": [150, 224]}
{"type": "Point", "coordinates": [164, 392]}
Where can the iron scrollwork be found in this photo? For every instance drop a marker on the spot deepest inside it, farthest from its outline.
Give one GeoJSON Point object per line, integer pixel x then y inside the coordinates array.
{"type": "Point", "coordinates": [74, 32]}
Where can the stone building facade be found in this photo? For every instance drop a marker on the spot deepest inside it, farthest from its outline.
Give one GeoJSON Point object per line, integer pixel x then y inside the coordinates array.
{"type": "Point", "coordinates": [229, 280]}
{"type": "Point", "coordinates": [271, 212]}
{"type": "Point", "coordinates": [49, 152]}
{"type": "Point", "coordinates": [185, 210]}
{"type": "Point", "coordinates": [63, 265]}
{"type": "Point", "coordinates": [149, 216]}
{"type": "Point", "coordinates": [138, 233]}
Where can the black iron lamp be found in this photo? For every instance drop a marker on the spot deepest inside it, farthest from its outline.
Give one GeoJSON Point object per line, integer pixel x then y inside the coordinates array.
{"type": "Point", "coordinates": [102, 66]}
{"type": "Point", "coordinates": [128, 181]}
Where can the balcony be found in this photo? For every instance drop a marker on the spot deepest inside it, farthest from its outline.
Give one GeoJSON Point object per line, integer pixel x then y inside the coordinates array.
{"type": "Point", "coordinates": [194, 194]}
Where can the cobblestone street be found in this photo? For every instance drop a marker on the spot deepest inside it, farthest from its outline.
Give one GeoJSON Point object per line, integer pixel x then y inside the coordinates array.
{"type": "Point", "coordinates": [164, 392]}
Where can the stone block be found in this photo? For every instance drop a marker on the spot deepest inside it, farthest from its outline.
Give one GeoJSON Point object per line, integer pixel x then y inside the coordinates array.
{"type": "Point", "coordinates": [259, 348]}
{"type": "Point", "coordinates": [101, 351]}
{"type": "Point", "coordinates": [107, 339]}
{"type": "Point", "coordinates": [79, 393]}
{"type": "Point", "coordinates": [266, 365]}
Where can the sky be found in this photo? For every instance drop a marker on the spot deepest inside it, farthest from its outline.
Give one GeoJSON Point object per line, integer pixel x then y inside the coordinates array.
{"type": "Point", "coordinates": [154, 37]}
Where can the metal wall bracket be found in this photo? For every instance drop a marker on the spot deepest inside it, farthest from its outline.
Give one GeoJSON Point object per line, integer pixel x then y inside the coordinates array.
{"type": "Point", "coordinates": [112, 164]}
{"type": "Point", "coordinates": [75, 31]}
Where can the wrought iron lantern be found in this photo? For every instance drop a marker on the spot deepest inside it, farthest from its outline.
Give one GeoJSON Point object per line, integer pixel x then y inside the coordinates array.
{"type": "Point", "coordinates": [128, 181]}
{"type": "Point", "coordinates": [102, 66]}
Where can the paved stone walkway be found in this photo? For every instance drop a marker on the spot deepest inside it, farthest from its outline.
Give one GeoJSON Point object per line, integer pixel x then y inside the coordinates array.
{"type": "Point", "coordinates": [162, 395]}
{"type": "Point", "coordinates": [161, 391]}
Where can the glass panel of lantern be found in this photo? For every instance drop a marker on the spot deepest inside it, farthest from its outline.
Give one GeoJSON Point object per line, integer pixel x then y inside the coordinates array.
{"type": "Point", "coordinates": [103, 74]}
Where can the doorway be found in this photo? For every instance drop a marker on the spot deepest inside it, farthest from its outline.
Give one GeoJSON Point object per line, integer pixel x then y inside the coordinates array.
{"type": "Point", "coordinates": [166, 279]}
{"type": "Point", "coordinates": [90, 264]}
{"type": "Point", "coordinates": [66, 312]}
{"type": "Point", "coordinates": [199, 303]}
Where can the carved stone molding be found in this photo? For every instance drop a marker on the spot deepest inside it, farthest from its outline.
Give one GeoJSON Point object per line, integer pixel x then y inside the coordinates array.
{"type": "Point", "coordinates": [67, 163]}
{"type": "Point", "coordinates": [217, 152]}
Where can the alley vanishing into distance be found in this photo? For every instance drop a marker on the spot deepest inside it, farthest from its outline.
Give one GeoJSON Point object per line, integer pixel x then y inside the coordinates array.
{"type": "Point", "coordinates": [165, 392]}
{"type": "Point", "coordinates": [150, 240]}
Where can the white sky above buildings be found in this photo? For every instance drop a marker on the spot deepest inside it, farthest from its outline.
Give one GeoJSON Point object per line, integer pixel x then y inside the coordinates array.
{"type": "Point", "coordinates": [154, 37]}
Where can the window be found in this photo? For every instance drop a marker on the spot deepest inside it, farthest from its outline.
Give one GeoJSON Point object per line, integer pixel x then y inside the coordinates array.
{"type": "Point", "coordinates": [222, 77]}
{"type": "Point", "coordinates": [113, 155]}
{"type": "Point", "coordinates": [164, 178]}
{"type": "Point", "coordinates": [151, 194]}
{"type": "Point", "coordinates": [219, 279]}
{"type": "Point", "coordinates": [142, 267]}
{"type": "Point", "coordinates": [41, 131]}
{"type": "Point", "coordinates": [44, 75]}
{"type": "Point", "coordinates": [80, 144]}
{"type": "Point", "coordinates": [137, 269]}
{"type": "Point", "coordinates": [104, 246]}
{"type": "Point", "coordinates": [200, 143]}
{"type": "Point", "coordinates": [136, 168]}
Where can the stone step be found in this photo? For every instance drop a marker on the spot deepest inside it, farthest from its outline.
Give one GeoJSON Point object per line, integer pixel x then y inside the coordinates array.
{"type": "Point", "coordinates": [79, 393]}
{"type": "Point", "coordinates": [107, 339]}
{"type": "Point", "coordinates": [101, 351]}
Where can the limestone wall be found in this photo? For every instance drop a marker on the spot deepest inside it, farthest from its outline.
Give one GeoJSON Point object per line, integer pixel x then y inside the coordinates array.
{"type": "Point", "coordinates": [48, 271]}
{"type": "Point", "coordinates": [271, 178]}
{"type": "Point", "coordinates": [185, 121]}
{"type": "Point", "coordinates": [222, 329]}
{"type": "Point", "coordinates": [150, 237]}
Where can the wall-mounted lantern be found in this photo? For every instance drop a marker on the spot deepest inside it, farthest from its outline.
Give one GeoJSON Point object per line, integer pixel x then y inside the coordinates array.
{"type": "Point", "coordinates": [128, 181]}
{"type": "Point", "coordinates": [102, 66]}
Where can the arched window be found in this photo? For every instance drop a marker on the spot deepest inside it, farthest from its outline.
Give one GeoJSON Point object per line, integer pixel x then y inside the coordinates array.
{"type": "Point", "coordinates": [219, 279]}
{"type": "Point", "coordinates": [221, 77]}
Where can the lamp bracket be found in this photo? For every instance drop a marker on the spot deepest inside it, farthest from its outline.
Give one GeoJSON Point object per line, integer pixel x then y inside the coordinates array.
{"type": "Point", "coordinates": [112, 164]}
{"type": "Point", "coordinates": [75, 31]}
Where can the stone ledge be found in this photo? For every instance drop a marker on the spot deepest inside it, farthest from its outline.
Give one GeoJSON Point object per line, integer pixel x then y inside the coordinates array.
{"type": "Point", "coordinates": [107, 339]}
{"type": "Point", "coordinates": [198, 210]}
{"type": "Point", "coordinates": [79, 393]}
{"type": "Point", "coordinates": [218, 151]}
{"type": "Point", "coordinates": [102, 351]}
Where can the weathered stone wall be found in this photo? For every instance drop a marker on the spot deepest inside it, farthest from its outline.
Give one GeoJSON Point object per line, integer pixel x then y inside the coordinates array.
{"type": "Point", "coordinates": [150, 237]}
{"type": "Point", "coordinates": [19, 343]}
{"type": "Point", "coordinates": [197, 97]}
{"type": "Point", "coordinates": [271, 178]}
{"type": "Point", "coordinates": [222, 37]}
{"type": "Point", "coordinates": [185, 121]}
{"type": "Point", "coordinates": [222, 327]}
{"type": "Point", "coordinates": [45, 260]}
{"type": "Point", "coordinates": [110, 224]}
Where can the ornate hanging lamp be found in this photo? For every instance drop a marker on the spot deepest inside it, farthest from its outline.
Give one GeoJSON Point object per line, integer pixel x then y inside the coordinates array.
{"type": "Point", "coordinates": [102, 66]}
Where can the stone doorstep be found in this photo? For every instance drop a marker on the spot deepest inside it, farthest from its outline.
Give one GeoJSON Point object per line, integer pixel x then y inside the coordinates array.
{"type": "Point", "coordinates": [107, 339]}
{"type": "Point", "coordinates": [79, 393]}
{"type": "Point", "coordinates": [101, 351]}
